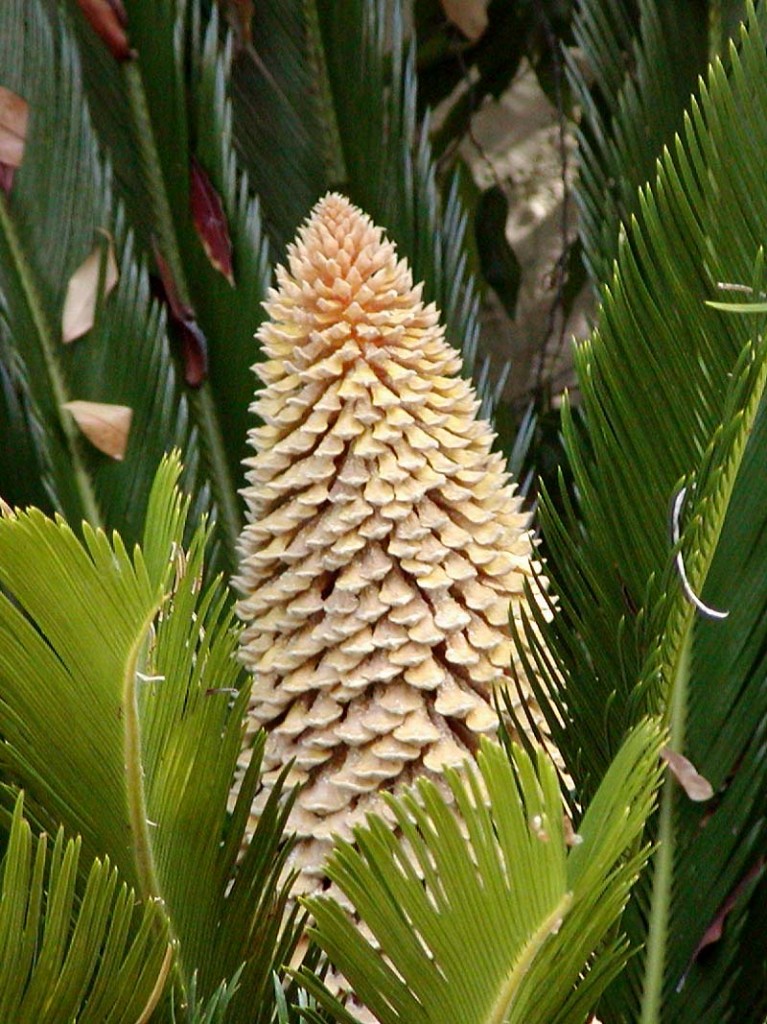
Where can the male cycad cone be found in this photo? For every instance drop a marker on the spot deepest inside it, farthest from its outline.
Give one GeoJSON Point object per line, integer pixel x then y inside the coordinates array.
{"type": "Point", "coordinates": [385, 548]}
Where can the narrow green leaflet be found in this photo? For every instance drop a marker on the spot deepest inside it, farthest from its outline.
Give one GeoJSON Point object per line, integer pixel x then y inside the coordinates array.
{"type": "Point", "coordinates": [491, 918]}
{"type": "Point", "coordinates": [229, 316]}
{"type": "Point", "coordinates": [59, 207]}
{"type": "Point", "coordinates": [23, 472]}
{"type": "Point", "coordinates": [211, 1011]}
{"type": "Point", "coordinates": [284, 126]}
{"type": "Point", "coordinates": [95, 956]}
{"type": "Point", "coordinates": [121, 713]}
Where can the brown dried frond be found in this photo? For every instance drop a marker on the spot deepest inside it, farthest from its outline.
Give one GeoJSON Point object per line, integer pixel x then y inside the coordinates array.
{"type": "Point", "coordinates": [385, 546]}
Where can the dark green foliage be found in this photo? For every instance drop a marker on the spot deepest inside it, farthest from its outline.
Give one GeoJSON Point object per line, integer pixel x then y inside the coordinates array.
{"type": "Point", "coordinates": [671, 394]}
{"type": "Point", "coordinates": [155, 115]}
{"type": "Point", "coordinates": [643, 64]}
{"type": "Point", "coordinates": [61, 198]}
{"type": "Point", "coordinates": [284, 126]}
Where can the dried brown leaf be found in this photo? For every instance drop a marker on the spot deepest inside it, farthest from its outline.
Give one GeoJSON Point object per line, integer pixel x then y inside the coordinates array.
{"type": "Point", "coordinates": [572, 838]}
{"type": "Point", "coordinates": [239, 13]}
{"type": "Point", "coordinates": [194, 344]}
{"type": "Point", "coordinates": [6, 178]}
{"type": "Point", "coordinates": [715, 929]}
{"type": "Point", "coordinates": [194, 352]}
{"type": "Point", "coordinates": [470, 16]}
{"type": "Point", "coordinates": [14, 114]}
{"type": "Point", "coordinates": [13, 134]}
{"type": "Point", "coordinates": [108, 20]}
{"type": "Point", "coordinates": [106, 426]}
{"type": "Point", "coordinates": [83, 290]}
{"type": "Point", "coordinates": [210, 221]}
{"type": "Point", "coordinates": [177, 308]}
{"type": "Point", "coordinates": [684, 771]}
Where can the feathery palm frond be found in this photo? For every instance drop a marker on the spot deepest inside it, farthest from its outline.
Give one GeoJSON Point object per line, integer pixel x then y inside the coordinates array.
{"type": "Point", "coordinates": [284, 123]}
{"type": "Point", "coordinates": [501, 922]}
{"type": "Point", "coordinates": [24, 477]}
{"type": "Point", "coordinates": [165, 120]}
{"type": "Point", "coordinates": [140, 754]}
{"type": "Point", "coordinates": [347, 74]}
{"type": "Point", "coordinates": [672, 396]}
{"type": "Point", "coordinates": [645, 59]}
{"type": "Point", "coordinates": [60, 201]}
{"type": "Point", "coordinates": [95, 956]}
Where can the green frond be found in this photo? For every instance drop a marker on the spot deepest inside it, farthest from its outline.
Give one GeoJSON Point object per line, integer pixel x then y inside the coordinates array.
{"type": "Point", "coordinates": [229, 906]}
{"type": "Point", "coordinates": [24, 475]}
{"type": "Point", "coordinates": [643, 61]}
{"type": "Point", "coordinates": [229, 316]}
{"type": "Point", "coordinates": [61, 199]}
{"type": "Point", "coordinates": [156, 115]}
{"type": "Point", "coordinates": [700, 367]}
{"type": "Point", "coordinates": [71, 643]}
{"type": "Point", "coordinates": [673, 396]}
{"type": "Point", "coordinates": [284, 125]}
{"type": "Point", "coordinates": [211, 1011]}
{"type": "Point", "coordinates": [722, 730]}
{"type": "Point", "coordinates": [96, 956]}
{"type": "Point", "coordinates": [122, 719]}
{"type": "Point", "coordinates": [495, 919]}
{"type": "Point", "coordinates": [327, 95]}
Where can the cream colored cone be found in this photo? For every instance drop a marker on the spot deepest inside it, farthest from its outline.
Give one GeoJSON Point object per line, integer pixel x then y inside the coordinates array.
{"type": "Point", "coordinates": [385, 548]}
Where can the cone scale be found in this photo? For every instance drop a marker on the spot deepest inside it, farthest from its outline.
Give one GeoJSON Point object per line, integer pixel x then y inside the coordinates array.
{"type": "Point", "coordinates": [385, 549]}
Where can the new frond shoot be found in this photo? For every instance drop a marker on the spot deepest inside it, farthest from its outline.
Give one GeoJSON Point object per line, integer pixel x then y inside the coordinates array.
{"type": "Point", "coordinates": [500, 915]}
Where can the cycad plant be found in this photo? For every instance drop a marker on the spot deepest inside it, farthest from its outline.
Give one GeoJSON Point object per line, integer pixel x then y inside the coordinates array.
{"type": "Point", "coordinates": [155, 160]}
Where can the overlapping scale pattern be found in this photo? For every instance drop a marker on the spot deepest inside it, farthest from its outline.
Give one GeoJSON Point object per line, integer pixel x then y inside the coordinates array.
{"type": "Point", "coordinates": [385, 547]}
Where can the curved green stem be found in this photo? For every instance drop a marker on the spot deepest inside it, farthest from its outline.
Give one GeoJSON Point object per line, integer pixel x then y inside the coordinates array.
{"type": "Point", "coordinates": [48, 342]}
{"type": "Point", "coordinates": [549, 926]}
{"type": "Point", "coordinates": [663, 877]}
{"type": "Point", "coordinates": [140, 825]}
{"type": "Point", "coordinates": [134, 773]}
